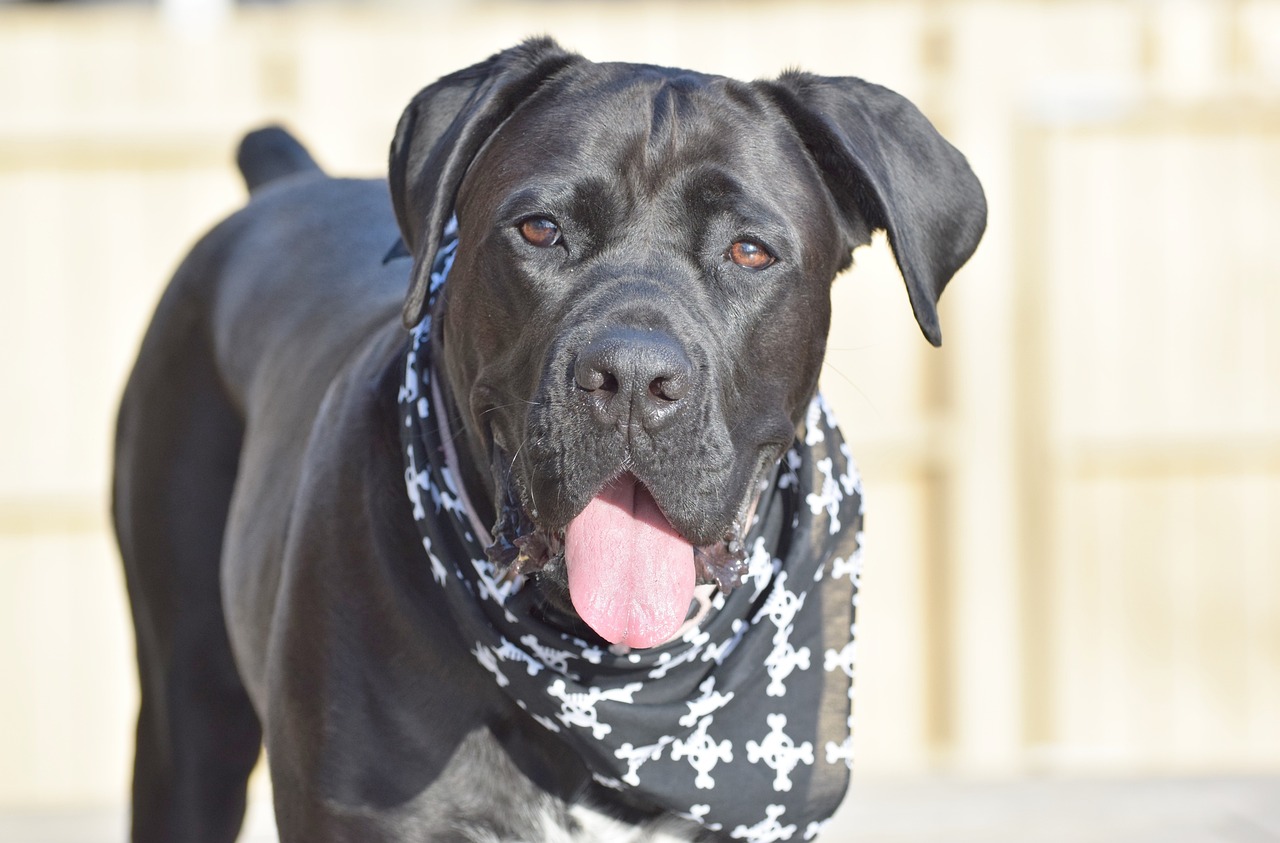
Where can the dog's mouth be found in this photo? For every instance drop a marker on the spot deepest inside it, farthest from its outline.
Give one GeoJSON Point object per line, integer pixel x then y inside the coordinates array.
{"type": "Point", "coordinates": [631, 575]}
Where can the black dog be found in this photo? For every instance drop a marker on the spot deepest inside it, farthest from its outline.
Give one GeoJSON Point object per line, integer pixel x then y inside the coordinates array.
{"type": "Point", "coordinates": [599, 399]}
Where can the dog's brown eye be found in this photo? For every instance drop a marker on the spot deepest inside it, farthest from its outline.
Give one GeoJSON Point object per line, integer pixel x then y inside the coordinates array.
{"type": "Point", "coordinates": [540, 232]}
{"type": "Point", "coordinates": [750, 254]}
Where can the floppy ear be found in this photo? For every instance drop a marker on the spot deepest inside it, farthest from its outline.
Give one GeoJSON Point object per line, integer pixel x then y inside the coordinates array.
{"type": "Point", "coordinates": [888, 168]}
{"type": "Point", "coordinates": [440, 133]}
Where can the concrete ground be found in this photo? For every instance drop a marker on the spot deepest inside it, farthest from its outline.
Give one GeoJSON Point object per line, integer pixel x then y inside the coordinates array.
{"type": "Point", "coordinates": [1172, 810]}
{"type": "Point", "coordinates": [1222, 810]}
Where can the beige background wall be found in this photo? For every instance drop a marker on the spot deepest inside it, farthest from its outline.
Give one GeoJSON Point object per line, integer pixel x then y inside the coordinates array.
{"type": "Point", "coordinates": [1074, 505]}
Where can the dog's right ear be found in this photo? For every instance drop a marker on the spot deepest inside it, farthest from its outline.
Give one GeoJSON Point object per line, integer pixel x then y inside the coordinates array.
{"type": "Point", "coordinates": [439, 134]}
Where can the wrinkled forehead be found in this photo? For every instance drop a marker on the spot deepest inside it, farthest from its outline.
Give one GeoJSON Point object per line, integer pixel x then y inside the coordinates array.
{"type": "Point", "coordinates": [650, 129]}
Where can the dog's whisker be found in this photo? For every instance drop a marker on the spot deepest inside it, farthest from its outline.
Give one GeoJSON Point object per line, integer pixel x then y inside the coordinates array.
{"type": "Point", "coordinates": [533, 501]}
{"type": "Point", "coordinates": [515, 403]}
{"type": "Point", "coordinates": [858, 389]}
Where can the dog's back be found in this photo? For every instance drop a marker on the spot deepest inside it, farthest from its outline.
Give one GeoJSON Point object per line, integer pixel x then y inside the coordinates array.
{"type": "Point", "coordinates": [216, 345]}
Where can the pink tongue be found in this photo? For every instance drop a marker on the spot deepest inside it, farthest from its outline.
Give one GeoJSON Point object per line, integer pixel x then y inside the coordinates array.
{"type": "Point", "coordinates": [630, 573]}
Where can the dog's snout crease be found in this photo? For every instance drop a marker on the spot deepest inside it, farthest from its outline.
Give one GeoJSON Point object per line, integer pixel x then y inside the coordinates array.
{"type": "Point", "coordinates": [634, 377]}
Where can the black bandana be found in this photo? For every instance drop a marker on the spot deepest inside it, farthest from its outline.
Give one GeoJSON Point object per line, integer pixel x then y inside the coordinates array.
{"type": "Point", "coordinates": [741, 721]}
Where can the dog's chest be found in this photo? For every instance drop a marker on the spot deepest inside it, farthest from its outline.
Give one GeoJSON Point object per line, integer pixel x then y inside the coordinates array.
{"type": "Point", "coordinates": [596, 827]}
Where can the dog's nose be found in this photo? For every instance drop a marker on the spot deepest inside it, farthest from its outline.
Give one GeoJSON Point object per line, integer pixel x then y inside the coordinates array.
{"type": "Point", "coordinates": [634, 377]}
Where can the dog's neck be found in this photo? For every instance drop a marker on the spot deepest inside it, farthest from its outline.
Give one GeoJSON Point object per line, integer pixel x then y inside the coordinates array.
{"type": "Point", "coordinates": [474, 490]}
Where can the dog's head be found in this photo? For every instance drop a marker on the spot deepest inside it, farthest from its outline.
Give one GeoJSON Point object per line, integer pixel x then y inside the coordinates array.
{"type": "Point", "coordinates": [638, 310]}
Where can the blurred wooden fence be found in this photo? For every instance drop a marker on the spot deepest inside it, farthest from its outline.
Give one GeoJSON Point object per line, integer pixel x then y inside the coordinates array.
{"type": "Point", "coordinates": [1073, 506]}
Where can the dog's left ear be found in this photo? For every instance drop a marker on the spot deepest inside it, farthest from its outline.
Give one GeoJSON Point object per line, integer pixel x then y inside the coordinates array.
{"type": "Point", "coordinates": [439, 134]}
{"type": "Point", "coordinates": [888, 168]}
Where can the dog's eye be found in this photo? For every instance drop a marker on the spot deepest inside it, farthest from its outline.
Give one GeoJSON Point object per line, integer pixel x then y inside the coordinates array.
{"type": "Point", "coordinates": [540, 232]}
{"type": "Point", "coordinates": [750, 255]}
